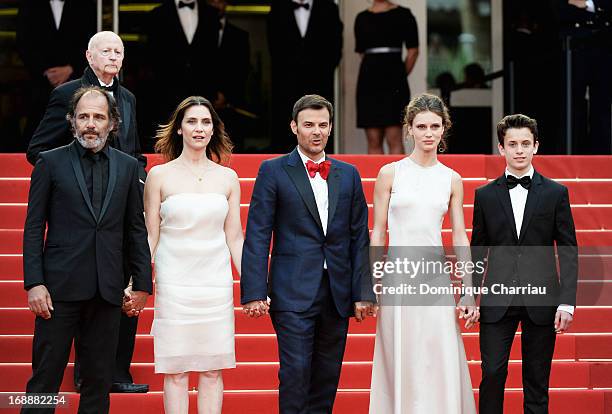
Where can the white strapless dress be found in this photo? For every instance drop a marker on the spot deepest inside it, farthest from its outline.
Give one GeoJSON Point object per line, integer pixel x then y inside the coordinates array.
{"type": "Point", "coordinates": [420, 365]}
{"type": "Point", "coordinates": [193, 327]}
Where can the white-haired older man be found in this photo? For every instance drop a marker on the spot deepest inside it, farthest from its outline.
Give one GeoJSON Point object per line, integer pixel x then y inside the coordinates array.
{"type": "Point", "coordinates": [105, 53]}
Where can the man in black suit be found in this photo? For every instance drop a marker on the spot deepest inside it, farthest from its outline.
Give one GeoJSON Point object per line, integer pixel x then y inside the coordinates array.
{"type": "Point", "coordinates": [233, 72]}
{"type": "Point", "coordinates": [518, 220]}
{"type": "Point", "coordinates": [51, 39]}
{"type": "Point", "coordinates": [188, 29]}
{"type": "Point", "coordinates": [305, 40]}
{"type": "Point", "coordinates": [105, 56]}
{"type": "Point", "coordinates": [86, 194]}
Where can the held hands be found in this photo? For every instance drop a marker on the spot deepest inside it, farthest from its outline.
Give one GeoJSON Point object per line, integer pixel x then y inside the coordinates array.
{"type": "Point", "coordinates": [133, 301]}
{"type": "Point", "coordinates": [58, 74]}
{"type": "Point", "coordinates": [563, 321]}
{"type": "Point", "coordinates": [39, 301]}
{"type": "Point", "coordinates": [365, 309]}
{"type": "Point", "coordinates": [467, 309]}
{"type": "Point", "coordinates": [256, 308]}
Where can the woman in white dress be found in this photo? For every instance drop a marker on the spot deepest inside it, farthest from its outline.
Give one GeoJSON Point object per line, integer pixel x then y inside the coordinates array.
{"type": "Point", "coordinates": [419, 359]}
{"type": "Point", "coordinates": [192, 208]}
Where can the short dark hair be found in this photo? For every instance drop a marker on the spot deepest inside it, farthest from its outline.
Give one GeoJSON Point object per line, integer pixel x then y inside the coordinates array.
{"type": "Point", "coordinates": [312, 102]}
{"type": "Point", "coordinates": [516, 121]}
{"type": "Point", "coordinates": [113, 111]}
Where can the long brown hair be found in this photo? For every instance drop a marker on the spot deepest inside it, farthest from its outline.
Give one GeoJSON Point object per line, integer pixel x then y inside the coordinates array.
{"type": "Point", "coordinates": [170, 143]}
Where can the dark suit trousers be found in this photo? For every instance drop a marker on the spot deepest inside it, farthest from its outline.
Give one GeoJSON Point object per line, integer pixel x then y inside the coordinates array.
{"type": "Point", "coordinates": [537, 347]}
{"type": "Point", "coordinates": [125, 351]}
{"type": "Point", "coordinates": [97, 324]}
{"type": "Point", "coordinates": [311, 347]}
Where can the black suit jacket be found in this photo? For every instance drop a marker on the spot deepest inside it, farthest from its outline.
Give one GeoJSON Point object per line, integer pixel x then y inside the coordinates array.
{"type": "Point", "coordinates": [81, 254]}
{"type": "Point", "coordinates": [181, 69]}
{"type": "Point", "coordinates": [304, 65]}
{"type": "Point", "coordinates": [528, 258]}
{"type": "Point", "coordinates": [54, 131]}
{"type": "Point", "coordinates": [234, 64]}
{"type": "Point", "coordinates": [41, 45]}
{"type": "Point", "coordinates": [578, 21]}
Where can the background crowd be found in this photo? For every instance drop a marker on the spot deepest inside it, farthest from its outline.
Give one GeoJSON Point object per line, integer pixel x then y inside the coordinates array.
{"type": "Point", "coordinates": [194, 46]}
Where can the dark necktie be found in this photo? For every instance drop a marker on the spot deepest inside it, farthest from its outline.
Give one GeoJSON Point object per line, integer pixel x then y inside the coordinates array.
{"type": "Point", "coordinates": [182, 4]}
{"type": "Point", "coordinates": [96, 194]}
{"type": "Point", "coordinates": [512, 181]}
{"type": "Point", "coordinates": [296, 5]}
{"type": "Point", "coordinates": [322, 168]}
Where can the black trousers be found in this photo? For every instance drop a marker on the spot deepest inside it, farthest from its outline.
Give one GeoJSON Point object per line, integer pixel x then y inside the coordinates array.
{"type": "Point", "coordinates": [537, 347]}
{"type": "Point", "coordinates": [311, 347]}
{"type": "Point", "coordinates": [125, 351]}
{"type": "Point", "coordinates": [97, 324]}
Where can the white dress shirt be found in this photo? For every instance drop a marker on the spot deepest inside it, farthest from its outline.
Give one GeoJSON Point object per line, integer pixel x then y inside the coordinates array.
{"type": "Point", "coordinates": [107, 86]}
{"type": "Point", "coordinates": [302, 15]}
{"type": "Point", "coordinates": [518, 198]}
{"type": "Point", "coordinates": [590, 6]}
{"type": "Point", "coordinates": [57, 7]}
{"type": "Point", "coordinates": [319, 188]}
{"type": "Point", "coordinates": [188, 18]}
{"type": "Point", "coordinates": [222, 22]}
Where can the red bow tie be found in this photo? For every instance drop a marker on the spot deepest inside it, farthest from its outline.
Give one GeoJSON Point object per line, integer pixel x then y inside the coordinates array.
{"type": "Point", "coordinates": [322, 168]}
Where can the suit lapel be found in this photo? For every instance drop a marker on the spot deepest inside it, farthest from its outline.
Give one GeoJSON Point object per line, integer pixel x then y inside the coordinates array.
{"type": "Point", "coordinates": [125, 115]}
{"type": "Point", "coordinates": [333, 189]}
{"type": "Point", "coordinates": [313, 17]}
{"type": "Point", "coordinates": [532, 202]}
{"type": "Point", "coordinates": [503, 196]}
{"type": "Point", "coordinates": [297, 173]}
{"type": "Point", "coordinates": [112, 179]}
{"type": "Point", "coordinates": [78, 172]}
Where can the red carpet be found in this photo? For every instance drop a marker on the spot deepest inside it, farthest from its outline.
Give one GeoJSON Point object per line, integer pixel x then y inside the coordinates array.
{"type": "Point", "coordinates": [581, 379]}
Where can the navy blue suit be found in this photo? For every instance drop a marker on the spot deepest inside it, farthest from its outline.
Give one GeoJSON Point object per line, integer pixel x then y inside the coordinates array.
{"type": "Point", "coordinates": [310, 306]}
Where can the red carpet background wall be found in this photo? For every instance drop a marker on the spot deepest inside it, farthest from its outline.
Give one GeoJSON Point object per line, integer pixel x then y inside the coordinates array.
{"type": "Point", "coordinates": [581, 378]}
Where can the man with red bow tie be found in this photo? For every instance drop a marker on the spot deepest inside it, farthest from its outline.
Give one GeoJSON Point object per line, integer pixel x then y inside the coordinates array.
{"type": "Point", "coordinates": [318, 276]}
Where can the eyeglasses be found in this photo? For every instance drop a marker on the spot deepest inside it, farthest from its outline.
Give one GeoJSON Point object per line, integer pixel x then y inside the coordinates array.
{"type": "Point", "coordinates": [108, 52]}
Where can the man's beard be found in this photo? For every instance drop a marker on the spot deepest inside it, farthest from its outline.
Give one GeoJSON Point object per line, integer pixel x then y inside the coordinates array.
{"type": "Point", "coordinates": [98, 142]}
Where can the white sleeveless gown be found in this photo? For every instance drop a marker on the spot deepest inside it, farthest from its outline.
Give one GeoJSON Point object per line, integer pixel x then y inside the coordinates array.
{"type": "Point", "coordinates": [193, 327]}
{"type": "Point", "coordinates": [419, 365]}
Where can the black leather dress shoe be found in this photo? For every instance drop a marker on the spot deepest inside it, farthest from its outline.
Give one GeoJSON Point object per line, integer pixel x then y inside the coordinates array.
{"type": "Point", "coordinates": [129, 387]}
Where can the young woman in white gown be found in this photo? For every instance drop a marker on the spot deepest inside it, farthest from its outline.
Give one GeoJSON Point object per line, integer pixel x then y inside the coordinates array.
{"type": "Point", "coordinates": [192, 209]}
{"type": "Point", "coordinates": [419, 359]}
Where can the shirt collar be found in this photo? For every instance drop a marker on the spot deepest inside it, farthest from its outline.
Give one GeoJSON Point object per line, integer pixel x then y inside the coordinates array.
{"type": "Point", "coordinates": [309, 2]}
{"type": "Point", "coordinates": [107, 85]}
{"type": "Point", "coordinates": [176, 3]}
{"type": "Point", "coordinates": [83, 151]}
{"type": "Point", "coordinates": [305, 159]}
{"type": "Point", "coordinates": [529, 173]}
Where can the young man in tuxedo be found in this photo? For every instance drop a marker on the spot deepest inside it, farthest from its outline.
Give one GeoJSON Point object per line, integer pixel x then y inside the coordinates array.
{"type": "Point", "coordinates": [518, 220]}
{"type": "Point", "coordinates": [86, 195]}
{"type": "Point", "coordinates": [319, 273]}
{"type": "Point", "coordinates": [105, 53]}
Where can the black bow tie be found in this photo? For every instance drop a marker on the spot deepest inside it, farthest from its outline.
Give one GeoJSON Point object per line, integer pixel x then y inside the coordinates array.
{"type": "Point", "coordinates": [512, 182]}
{"type": "Point", "coordinates": [182, 4]}
{"type": "Point", "coordinates": [296, 5]}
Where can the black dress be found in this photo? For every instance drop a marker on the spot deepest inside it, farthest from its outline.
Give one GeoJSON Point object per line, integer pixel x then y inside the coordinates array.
{"type": "Point", "coordinates": [382, 87]}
